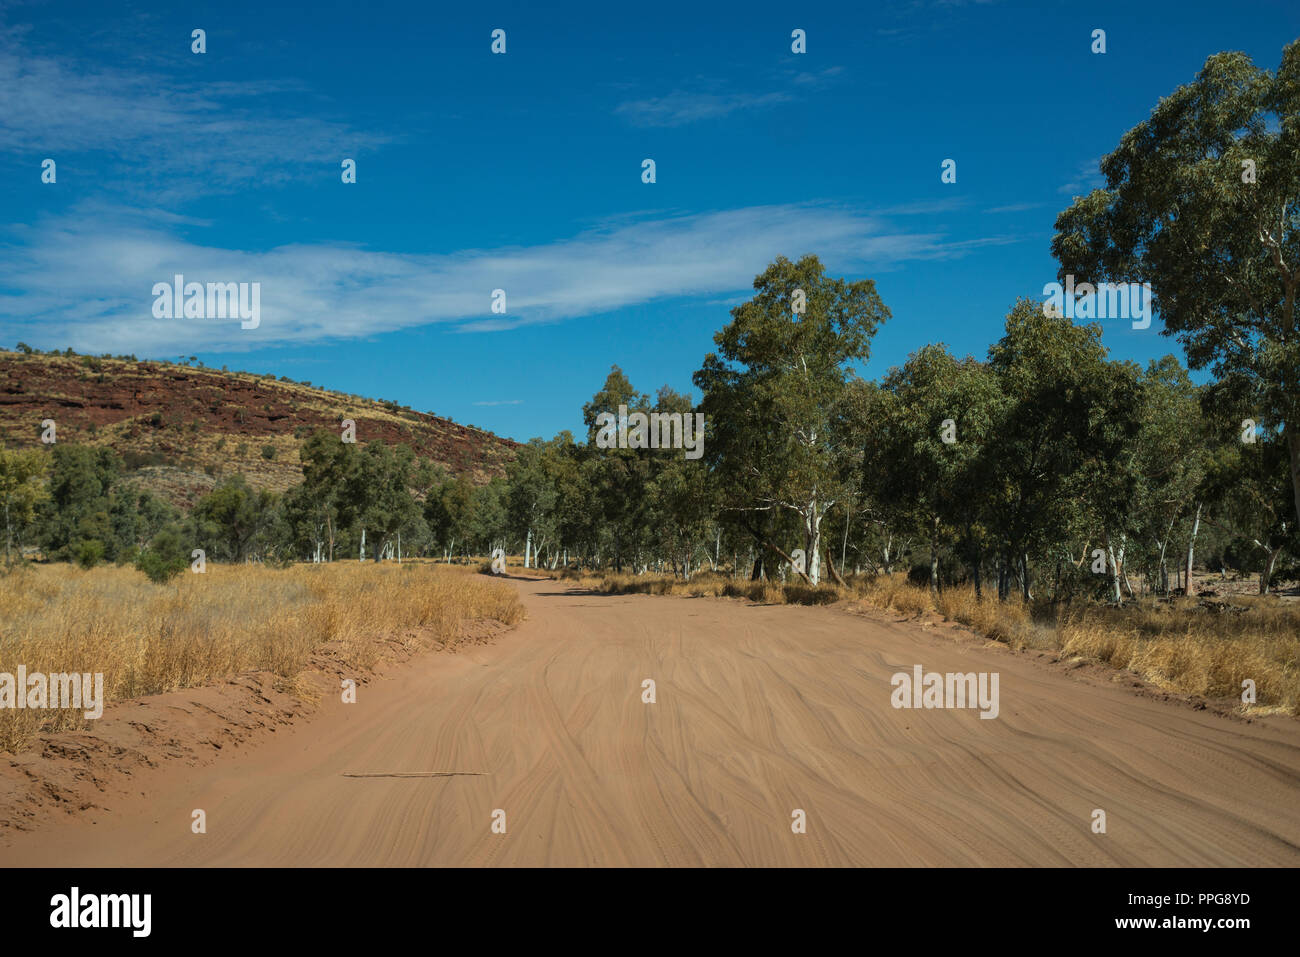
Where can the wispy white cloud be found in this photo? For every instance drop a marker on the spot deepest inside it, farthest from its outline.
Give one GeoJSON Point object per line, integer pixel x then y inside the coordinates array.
{"type": "Point", "coordinates": [85, 278]}
{"type": "Point", "coordinates": [711, 100]}
{"type": "Point", "coordinates": [1087, 177]}
{"type": "Point", "coordinates": [816, 78]}
{"type": "Point", "coordinates": [1014, 208]}
{"type": "Point", "coordinates": [925, 207]}
{"type": "Point", "coordinates": [679, 107]}
{"type": "Point", "coordinates": [174, 138]}
{"type": "Point", "coordinates": [502, 402]}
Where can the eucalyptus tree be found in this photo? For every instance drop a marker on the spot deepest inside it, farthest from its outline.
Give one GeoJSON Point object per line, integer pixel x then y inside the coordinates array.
{"type": "Point", "coordinates": [783, 366]}
{"type": "Point", "coordinates": [1202, 201]}
{"type": "Point", "coordinates": [233, 521]}
{"type": "Point", "coordinates": [1066, 407]}
{"type": "Point", "coordinates": [532, 495]}
{"type": "Point", "coordinates": [1104, 489]}
{"type": "Point", "coordinates": [382, 486]}
{"type": "Point", "coordinates": [931, 437]}
{"type": "Point", "coordinates": [312, 509]}
{"type": "Point", "coordinates": [1247, 479]}
{"type": "Point", "coordinates": [490, 525]}
{"type": "Point", "coordinates": [616, 476]}
{"type": "Point", "coordinates": [1170, 457]}
{"type": "Point", "coordinates": [22, 490]}
{"type": "Point", "coordinates": [680, 496]}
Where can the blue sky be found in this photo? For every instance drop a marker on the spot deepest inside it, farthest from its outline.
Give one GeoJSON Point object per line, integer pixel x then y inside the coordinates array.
{"type": "Point", "coordinates": [523, 172]}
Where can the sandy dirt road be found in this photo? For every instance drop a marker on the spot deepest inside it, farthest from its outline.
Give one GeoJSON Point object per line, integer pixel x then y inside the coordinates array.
{"type": "Point", "coordinates": [760, 710]}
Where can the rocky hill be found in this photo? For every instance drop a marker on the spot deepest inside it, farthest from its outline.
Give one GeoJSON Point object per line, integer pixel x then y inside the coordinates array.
{"type": "Point", "coordinates": [181, 428]}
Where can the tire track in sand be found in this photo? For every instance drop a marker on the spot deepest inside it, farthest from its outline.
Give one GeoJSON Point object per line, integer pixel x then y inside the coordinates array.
{"type": "Point", "coordinates": [760, 710]}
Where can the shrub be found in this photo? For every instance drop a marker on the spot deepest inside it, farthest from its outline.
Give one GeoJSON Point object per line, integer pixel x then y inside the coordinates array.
{"type": "Point", "coordinates": [89, 552]}
{"type": "Point", "coordinates": [166, 556]}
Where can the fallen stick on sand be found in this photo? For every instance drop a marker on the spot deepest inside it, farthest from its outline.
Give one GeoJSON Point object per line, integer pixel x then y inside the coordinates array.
{"type": "Point", "coordinates": [406, 774]}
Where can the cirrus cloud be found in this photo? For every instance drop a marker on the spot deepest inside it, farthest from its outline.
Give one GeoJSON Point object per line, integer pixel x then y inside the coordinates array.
{"type": "Point", "coordinates": [85, 278]}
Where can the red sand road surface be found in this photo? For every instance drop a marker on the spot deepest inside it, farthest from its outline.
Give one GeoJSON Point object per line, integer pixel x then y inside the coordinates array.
{"type": "Point", "coordinates": [761, 710]}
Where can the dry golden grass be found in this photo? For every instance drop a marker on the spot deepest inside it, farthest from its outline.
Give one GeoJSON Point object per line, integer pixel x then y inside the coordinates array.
{"type": "Point", "coordinates": [706, 584]}
{"type": "Point", "coordinates": [200, 629]}
{"type": "Point", "coordinates": [1180, 646]}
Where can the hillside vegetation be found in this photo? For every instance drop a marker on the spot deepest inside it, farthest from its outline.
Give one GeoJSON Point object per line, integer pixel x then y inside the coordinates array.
{"type": "Point", "coordinates": [182, 428]}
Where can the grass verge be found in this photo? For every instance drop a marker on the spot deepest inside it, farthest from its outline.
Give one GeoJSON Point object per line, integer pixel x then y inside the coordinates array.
{"type": "Point", "coordinates": [200, 629]}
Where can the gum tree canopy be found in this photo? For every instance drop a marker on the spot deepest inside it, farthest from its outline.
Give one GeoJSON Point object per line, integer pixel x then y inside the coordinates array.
{"type": "Point", "coordinates": [772, 394]}
{"type": "Point", "coordinates": [1203, 201]}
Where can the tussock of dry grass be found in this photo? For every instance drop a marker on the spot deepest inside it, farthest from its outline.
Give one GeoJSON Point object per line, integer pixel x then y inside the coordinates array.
{"type": "Point", "coordinates": [1189, 649]}
{"type": "Point", "coordinates": [1178, 646]}
{"type": "Point", "coordinates": [200, 629]}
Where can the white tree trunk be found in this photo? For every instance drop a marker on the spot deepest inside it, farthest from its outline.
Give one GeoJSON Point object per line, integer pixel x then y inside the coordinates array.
{"type": "Point", "coordinates": [1114, 575]}
{"type": "Point", "coordinates": [1191, 548]}
{"type": "Point", "coordinates": [1268, 570]}
{"type": "Point", "coordinates": [813, 541]}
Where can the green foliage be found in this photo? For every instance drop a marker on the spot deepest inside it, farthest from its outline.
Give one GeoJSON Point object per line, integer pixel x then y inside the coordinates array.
{"type": "Point", "coordinates": [78, 504]}
{"type": "Point", "coordinates": [1202, 200]}
{"type": "Point", "coordinates": [22, 490]}
{"type": "Point", "coordinates": [918, 478]}
{"type": "Point", "coordinates": [773, 395]}
{"type": "Point", "coordinates": [232, 521]}
{"type": "Point", "coordinates": [89, 552]}
{"type": "Point", "coordinates": [167, 555]}
{"type": "Point", "coordinates": [1020, 467]}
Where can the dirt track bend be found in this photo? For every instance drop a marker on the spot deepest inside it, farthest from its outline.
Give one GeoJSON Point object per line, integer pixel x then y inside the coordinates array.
{"type": "Point", "coordinates": [761, 710]}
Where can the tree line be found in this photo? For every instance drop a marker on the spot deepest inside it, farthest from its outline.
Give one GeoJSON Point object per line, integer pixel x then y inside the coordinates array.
{"type": "Point", "coordinates": [1044, 467]}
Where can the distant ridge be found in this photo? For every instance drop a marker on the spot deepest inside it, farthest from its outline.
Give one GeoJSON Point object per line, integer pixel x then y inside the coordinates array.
{"type": "Point", "coordinates": [181, 428]}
